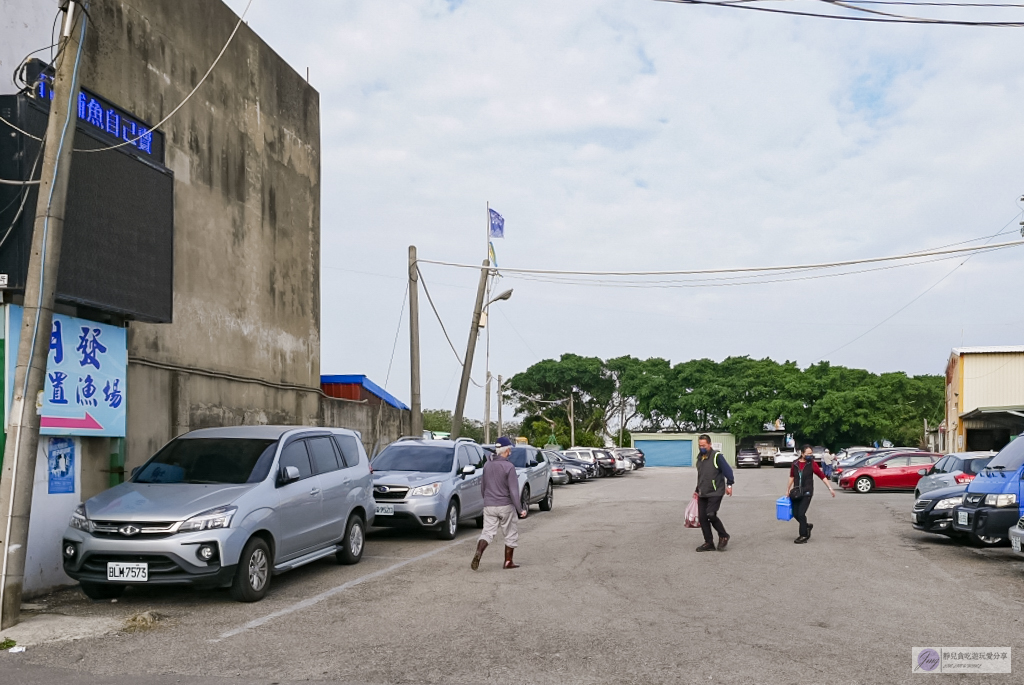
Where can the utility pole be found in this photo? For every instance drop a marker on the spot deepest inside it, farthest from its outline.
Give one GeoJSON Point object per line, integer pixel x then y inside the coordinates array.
{"type": "Point", "coordinates": [467, 365]}
{"type": "Point", "coordinates": [622, 418]}
{"type": "Point", "coordinates": [499, 405]}
{"type": "Point", "coordinates": [487, 409]}
{"type": "Point", "coordinates": [416, 420]}
{"type": "Point", "coordinates": [572, 421]}
{"type": "Point", "coordinates": [37, 322]}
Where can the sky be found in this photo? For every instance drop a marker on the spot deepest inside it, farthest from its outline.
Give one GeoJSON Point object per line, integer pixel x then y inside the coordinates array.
{"type": "Point", "coordinates": [640, 135]}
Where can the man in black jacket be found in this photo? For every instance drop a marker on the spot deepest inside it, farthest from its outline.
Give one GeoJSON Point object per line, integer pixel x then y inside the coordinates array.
{"type": "Point", "coordinates": [714, 481]}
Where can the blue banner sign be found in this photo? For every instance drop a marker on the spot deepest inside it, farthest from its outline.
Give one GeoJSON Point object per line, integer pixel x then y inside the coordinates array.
{"type": "Point", "coordinates": [86, 376]}
{"type": "Point", "coordinates": [60, 458]}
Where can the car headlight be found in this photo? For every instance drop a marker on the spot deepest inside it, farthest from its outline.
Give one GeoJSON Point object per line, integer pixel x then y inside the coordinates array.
{"type": "Point", "coordinates": [949, 502]}
{"type": "Point", "coordinates": [847, 474]}
{"type": "Point", "coordinates": [209, 520]}
{"type": "Point", "coordinates": [426, 490]}
{"type": "Point", "coordinates": [80, 520]}
{"type": "Point", "coordinates": [1001, 500]}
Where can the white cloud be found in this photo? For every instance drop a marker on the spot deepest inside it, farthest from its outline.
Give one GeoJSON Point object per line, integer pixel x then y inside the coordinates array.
{"type": "Point", "coordinates": [631, 134]}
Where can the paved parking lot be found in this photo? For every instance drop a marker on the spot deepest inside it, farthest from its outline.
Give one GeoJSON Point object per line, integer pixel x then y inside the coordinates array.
{"type": "Point", "coordinates": [610, 591]}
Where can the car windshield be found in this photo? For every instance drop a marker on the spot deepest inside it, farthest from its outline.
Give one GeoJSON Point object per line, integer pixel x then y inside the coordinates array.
{"type": "Point", "coordinates": [871, 461]}
{"type": "Point", "coordinates": [426, 458]}
{"type": "Point", "coordinates": [976, 466]}
{"type": "Point", "coordinates": [210, 461]}
{"type": "Point", "coordinates": [1010, 458]}
{"type": "Point", "coordinates": [518, 457]}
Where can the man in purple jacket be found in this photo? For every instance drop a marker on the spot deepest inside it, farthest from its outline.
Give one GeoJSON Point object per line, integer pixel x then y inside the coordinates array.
{"type": "Point", "coordinates": [501, 503]}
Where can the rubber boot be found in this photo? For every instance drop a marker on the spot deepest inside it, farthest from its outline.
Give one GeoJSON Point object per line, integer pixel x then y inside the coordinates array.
{"type": "Point", "coordinates": [480, 547]}
{"type": "Point", "coordinates": [508, 558]}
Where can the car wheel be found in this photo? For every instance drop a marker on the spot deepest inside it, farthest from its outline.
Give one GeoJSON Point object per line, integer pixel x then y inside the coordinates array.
{"type": "Point", "coordinates": [252, 577]}
{"type": "Point", "coordinates": [549, 499]}
{"type": "Point", "coordinates": [352, 544]}
{"type": "Point", "coordinates": [479, 521]}
{"type": "Point", "coordinates": [102, 590]}
{"type": "Point", "coordinates": [985, 541]}
{"type": "Point", "coordinates": [864, 485]}
{"type": "Point", "coordinates": [524, 500]}
{"type": "Point", "coordinates": [450, 526]}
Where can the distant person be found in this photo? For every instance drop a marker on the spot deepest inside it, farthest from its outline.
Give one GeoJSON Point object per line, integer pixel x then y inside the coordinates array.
{"type": "Point", "coordinates": [501, 503]}
{"type": "Point", "coordinates": [802, 473]}
{"type": "Point", "coordinates": [714, 481]}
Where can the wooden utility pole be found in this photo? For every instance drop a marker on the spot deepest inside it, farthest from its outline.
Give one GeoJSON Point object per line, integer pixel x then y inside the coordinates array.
{"type": "Point", "coordinates": [37, 322]}
{"type": "Point", "coordinates": [416, 420]}
{"type": "Point", "coordinates": [467, 365]}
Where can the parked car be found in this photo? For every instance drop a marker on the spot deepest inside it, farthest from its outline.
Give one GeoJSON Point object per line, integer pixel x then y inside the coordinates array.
{"type": "Point", "coordinates": [991, 505]}
{"type": "Point", "coordinates": [933, 511]}
{"type": "Point", "coordinates": [856, 461]}
{"type": "Point", "coordinates": [603, 461]}
{"type": "Point", "coordinates": [748, 456]}
{"type": "Point", "coordinates": [575, 471]}
{"type": "Point", "coordinates": [785, 457]}
{"type": "Point", "coordinates": [893, 471]}
{"type": "Point", "coordinates": [429, 484]}
{"type": "Point", "coordinates": [589, 468]}
{"type": "Point", "coordinates": [953, 469]}
{"type": "Point", "coordinates": [634, 455]}
{"type": "Point", "coordinates": [225, 507]}
{"type": "Point", "coordinates": [558, 474]}
{"type": "Point", "coordinates": [534, 477]}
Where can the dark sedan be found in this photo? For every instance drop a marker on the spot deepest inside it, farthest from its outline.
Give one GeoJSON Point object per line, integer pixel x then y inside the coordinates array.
{"type": "Point", "coordinates": [933, 511]}
{"type": "Point", "coordinates": [633, 454]}
{"type": "Point", "coordinates": [590, 469]}
{"type": "Point", "coordinates": [574, 469]}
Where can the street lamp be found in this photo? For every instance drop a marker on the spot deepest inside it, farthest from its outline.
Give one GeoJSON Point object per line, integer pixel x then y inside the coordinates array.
{"type": "Point", "coordinates": [487, 367]}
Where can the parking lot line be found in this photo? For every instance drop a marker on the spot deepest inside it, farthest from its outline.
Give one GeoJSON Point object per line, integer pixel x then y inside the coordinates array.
{"type": "Point", "coordinates": [327, 594]}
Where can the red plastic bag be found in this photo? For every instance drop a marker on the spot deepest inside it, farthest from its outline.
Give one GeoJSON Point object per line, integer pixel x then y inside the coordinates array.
{"type": "Point", "coordinates": [690, 517]}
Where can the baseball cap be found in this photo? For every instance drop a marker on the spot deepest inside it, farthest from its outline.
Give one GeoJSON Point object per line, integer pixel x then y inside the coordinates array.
{"type": "Point", "coordinates": [503, 441]}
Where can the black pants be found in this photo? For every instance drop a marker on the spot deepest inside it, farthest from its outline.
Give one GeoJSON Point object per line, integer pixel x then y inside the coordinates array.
{"type": "Point", "coordinates": [707, 513]}
{"type": "Point", "coordinates": [800, 513]}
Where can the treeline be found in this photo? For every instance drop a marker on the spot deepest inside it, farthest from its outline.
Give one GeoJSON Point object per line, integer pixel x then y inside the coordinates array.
{"type": "Point", "coordinates": [822, 404]}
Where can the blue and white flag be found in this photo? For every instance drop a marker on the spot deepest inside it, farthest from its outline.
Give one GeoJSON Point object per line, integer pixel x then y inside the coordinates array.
{"type": "Point", "coordinates": [497, 224]}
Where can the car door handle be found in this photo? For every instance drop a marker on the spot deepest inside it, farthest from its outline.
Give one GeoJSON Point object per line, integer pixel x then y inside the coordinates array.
{"type": "Point", "coordinates": [314, 492]}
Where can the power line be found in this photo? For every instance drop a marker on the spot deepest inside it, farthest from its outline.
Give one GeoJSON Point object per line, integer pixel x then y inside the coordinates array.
{"type": "Point", "coordinates": [436, 314]}
{"type": "Point", "coordinates": [394, 346]}
{"type": "Point", "coordinates": [187, 97]}
{"type": "Point", "coordinates": [751, 270]}
{"type": "Point", "coordinates": [887, 19]}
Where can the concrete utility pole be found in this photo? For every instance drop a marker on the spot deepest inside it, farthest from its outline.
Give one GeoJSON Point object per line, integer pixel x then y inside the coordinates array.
{"type": "Point", "coordinates": [467, 365]}
{"type": "Point", "coordinates": [499, 406]}
{"type": "Point", "coordinates": [572, 422]}
{"type": "Point", "coordinates": [37, 322]}
{"type": "Point", "coordinates": [487, 409]}
{"type": "Point", "coordinates": [416, 420]}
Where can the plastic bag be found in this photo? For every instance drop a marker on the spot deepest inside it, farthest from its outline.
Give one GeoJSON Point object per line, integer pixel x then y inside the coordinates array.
{"type": "Point", "coordinates": [690, 516]}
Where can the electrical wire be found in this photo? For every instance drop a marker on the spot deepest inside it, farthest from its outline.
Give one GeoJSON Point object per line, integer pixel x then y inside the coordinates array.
{"type": "Point", "coordinates": [187, 97]}
{"type": "Point", "coordinates": [394, 346]}
{"type": "Point", "coordinates": [889, 19]}
{"type": "Point", "coordinates": [750, 270]}
{"type": "Point", "coordinates": [436, 314]}
{"type": "Point", "coordinates": [24, 197]}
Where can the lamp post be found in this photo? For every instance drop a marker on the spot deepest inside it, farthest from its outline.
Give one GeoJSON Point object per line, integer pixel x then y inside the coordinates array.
{"type": "Point", "coordinates": [487, 366]}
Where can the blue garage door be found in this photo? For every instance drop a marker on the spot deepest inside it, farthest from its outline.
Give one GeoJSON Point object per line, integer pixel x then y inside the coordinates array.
{"type": "Point", "coordinates": [666, 452]}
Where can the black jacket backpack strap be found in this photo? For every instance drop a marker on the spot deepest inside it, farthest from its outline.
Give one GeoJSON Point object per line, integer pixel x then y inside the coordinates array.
{"type": "Point", "coordinates": [799, 491]}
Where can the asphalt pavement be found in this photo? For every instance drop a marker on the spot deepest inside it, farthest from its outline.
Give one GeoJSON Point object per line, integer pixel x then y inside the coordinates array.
{"type": "Point", "coordinates": [610, 591]}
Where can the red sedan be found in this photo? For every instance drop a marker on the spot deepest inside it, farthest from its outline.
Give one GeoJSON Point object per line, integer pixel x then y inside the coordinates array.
{"type": "Point", "coordinates": [895, 471]}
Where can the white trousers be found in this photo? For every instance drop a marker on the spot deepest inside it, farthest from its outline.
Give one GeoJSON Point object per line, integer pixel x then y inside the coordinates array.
{"type": "Point", "coordinates": [504, 518]}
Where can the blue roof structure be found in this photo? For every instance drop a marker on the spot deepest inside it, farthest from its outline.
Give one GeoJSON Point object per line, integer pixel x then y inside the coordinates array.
{"type": "Point", "coordinates": [357, 379]}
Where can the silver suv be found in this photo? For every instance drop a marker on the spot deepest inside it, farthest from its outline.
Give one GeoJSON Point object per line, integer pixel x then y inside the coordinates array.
{"type": "Point", "coordinates": [429, 484]}
{"type": "Point", "coordinates": [225, 507]}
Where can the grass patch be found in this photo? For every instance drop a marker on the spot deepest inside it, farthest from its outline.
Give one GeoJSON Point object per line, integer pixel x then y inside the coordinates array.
{"type": "Point", "coordinates": [7, 643]}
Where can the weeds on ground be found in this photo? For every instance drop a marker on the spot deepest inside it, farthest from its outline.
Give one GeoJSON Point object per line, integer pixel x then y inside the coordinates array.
{"type": "Point", "coordinates": [147, 620]}
{"type": "Point", "coordinates": [7, 643]}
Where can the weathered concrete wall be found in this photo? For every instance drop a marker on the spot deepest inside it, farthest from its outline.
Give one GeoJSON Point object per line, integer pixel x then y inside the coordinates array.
{"type": "Point", "coordinates": [379, 425]}
{"type": "Point", "coordinates": [244, 346]}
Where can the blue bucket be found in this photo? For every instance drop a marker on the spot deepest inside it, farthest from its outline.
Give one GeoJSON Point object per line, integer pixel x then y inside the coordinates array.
{"type": "Point", "coordinates": [784, 509]}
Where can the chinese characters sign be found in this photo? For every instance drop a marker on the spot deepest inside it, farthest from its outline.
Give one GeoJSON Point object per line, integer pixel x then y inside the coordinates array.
{"type": "Point", "coordinates": [101, 116]}
{"type": "Point", "coordinates": [86, 374]}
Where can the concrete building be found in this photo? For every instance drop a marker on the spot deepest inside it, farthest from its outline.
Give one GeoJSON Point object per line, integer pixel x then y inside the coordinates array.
{"type": "Point", "coordinates": [680, 449]}
{"type": "Point", "coordinates": [984, 398]}
{"type": "Point", "coordinates": [242, 345]}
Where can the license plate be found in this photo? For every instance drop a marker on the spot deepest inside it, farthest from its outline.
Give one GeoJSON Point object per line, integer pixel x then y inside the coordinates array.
{"type": "Point", "coordinates": [1016, 544]}
{"type": "Point", "coordinates": [385, 510]}
{"type": "Point", "coordinates": [961, 518]}
{"type": "Point", "coordinates": [136, 573]}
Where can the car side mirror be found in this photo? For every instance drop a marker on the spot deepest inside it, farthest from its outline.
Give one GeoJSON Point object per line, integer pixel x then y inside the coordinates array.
{"type": "Point", "coordinates": [531, 464]}
{"type": "Point", "coordinates": [882, 466]}
{"type": "Point", "coordinates": [922, 472]}
{"type": "Point", "coordinates": [289, 474]}
{"type": "Point", "coordinates": [468, 470]}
